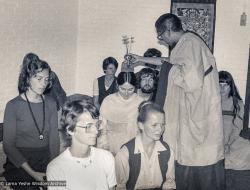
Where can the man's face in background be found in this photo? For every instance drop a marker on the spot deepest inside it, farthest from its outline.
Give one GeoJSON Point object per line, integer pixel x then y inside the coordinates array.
{"type": "Point", "coordinates": [147, 83]}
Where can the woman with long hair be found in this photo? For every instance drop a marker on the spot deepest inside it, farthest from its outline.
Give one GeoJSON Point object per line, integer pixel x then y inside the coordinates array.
{"type": "Point", "coordinates": [121, 110]}
{"type": "Point", "coordinates": [30, 137]}
{"type": "Point", "coordinates": [237, 149]}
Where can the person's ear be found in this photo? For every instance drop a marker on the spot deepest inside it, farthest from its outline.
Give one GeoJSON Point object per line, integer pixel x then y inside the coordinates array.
{"type": "Point", "coordinates": [140, 126]}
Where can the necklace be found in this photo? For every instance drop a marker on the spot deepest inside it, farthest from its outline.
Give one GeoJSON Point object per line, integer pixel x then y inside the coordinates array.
{"type": "Point", "coordinates": [85, 163]}
{"type": "Point", "coordinates": [108, 81]}
{"type": "Point", "coordinates": [34, 119]}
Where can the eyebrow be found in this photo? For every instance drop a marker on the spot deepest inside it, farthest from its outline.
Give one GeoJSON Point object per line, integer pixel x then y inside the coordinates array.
{"type": "Point", "coordinates": [223, 81]}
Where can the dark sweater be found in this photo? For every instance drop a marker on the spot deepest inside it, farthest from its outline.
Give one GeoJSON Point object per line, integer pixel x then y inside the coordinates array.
{"type": "Point", "coordinates": [102, 91]}
{"type": "Point", "coordinates": [20, 130]}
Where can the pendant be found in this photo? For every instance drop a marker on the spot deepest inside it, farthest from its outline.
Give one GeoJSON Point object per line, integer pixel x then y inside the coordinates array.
{"type": "Point", "coordinates": [41, 137]}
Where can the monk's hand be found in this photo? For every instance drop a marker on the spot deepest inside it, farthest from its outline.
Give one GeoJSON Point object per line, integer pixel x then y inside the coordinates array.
{"type": "Point", "coordinates": [133, 60]}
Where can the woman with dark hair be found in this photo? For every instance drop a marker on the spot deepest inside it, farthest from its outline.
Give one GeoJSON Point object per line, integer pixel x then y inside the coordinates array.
{"type": "Point", "coordinates": [237, 149]}
{"type": "Point", "coordinates": [106, 84]}
{"type": "Point", "coordinates": [81, 165]}
{"type": "Point", "coordinates": [30, 138]}
{"type": "Point", "coordinates": [120, 111]}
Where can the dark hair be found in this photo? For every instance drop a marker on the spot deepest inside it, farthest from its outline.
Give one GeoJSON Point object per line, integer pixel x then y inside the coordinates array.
{"type": "Point", "coordinates": [174, 24]}
{"type": "Point", "coordinates": [225, 76]}
{"type": "Point", "coordinates": [147, 107]}
{"type": "Point", "coordinates": [152, 52]}
{"type": "Point", "coordinates": [108, 61]}
{"type": "Point", "coordinates": [147, 71]}
{"type": "Point", "coordinates": [124, 77]}
{"type": "Point", "coordinates": [31, 66]}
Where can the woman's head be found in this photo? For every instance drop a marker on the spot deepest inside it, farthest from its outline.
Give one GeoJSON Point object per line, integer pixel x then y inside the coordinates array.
{"type": "Point", "coordinates": [126, 84]}
{"type": "Point", "coordinates": [228, 89]}
{"type": "Point", "coordinates": [34, 75]}
{"type": "Point", "coordinates": [151, 120]}
{"type": "Point", "coordinates": [109, 66]}
{"type": "Point", "coordinates": [227, 85]}
{"type": "Point", "coordinates": [81, 119]}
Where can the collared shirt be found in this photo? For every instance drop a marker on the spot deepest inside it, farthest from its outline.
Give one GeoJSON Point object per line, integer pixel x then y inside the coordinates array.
{"type": "Point", "coordinates": [150, 173]}
{"type": "Point", "coordinates": [193, 105]}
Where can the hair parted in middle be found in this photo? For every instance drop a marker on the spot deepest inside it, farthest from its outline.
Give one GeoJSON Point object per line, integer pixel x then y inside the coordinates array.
{"type": "Point", "coordinates": [124, 77]}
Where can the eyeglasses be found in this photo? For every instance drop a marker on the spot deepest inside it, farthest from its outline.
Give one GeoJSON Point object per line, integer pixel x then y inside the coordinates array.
{"type": "Point", "coordinates": [159, 35]}
{"type": "Point", "coordinates": [91, 126]}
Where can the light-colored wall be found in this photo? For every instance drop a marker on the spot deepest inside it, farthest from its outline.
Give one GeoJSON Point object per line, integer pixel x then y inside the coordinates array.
{"type": "Point", "coordinates": [102, 24]}
{"type": "Point", "coordinates": [45, 27]}
{"type": "Point", "coordinates": [232, 41]}
{"type": "Point", "coordinates": [101, 27]}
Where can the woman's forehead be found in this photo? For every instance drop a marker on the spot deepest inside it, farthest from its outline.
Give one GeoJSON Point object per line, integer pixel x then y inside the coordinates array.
{"type": "Point", "coordinates": [42, 72]}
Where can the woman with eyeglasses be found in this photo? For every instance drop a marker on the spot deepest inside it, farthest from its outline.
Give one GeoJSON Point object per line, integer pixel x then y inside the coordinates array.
{"type": "Point", "coordinates": [121, 110]}
{"type": "Point", "coordinates": [81, 165]}
{"type": "Point", "coordinates": [30, 135]}
{"type": "Point", "coordinates": [237, 149]}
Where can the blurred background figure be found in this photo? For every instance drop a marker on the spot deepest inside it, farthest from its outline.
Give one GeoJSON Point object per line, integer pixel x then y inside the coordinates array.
{"type": "Point", "coordinates": [56, 91]}
{"type": "Point", "coordinates": [106, 84]}
{"type": "Point", "coordinates": [121, 110]}
{"type": "Point", "coordinates": [237, 149]}
{"type": "Point", "coordinates": [152, 52]}
{"type": "Point", "coordinates": [30, 138]}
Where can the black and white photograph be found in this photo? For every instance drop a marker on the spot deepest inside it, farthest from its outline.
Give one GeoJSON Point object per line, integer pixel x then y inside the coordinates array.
{"type": "Point", "coordinates": [125, 95]}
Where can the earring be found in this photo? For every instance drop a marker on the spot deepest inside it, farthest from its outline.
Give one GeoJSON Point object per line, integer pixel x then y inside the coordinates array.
{"type": "Point", "coordinates": [69, 132]}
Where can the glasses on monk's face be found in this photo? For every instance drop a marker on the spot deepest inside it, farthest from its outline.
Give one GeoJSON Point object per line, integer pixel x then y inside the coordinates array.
{"type": "Point", "coordinates": [159, 35]}
{"type": "Point", "coordinates": [90, 127]}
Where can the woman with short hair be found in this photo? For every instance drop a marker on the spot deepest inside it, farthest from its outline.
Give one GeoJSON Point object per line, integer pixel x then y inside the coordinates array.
{"type": "Point", "coordinates": [81, 165]}
{"type": "Point", "coordinates": [106, 84]}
